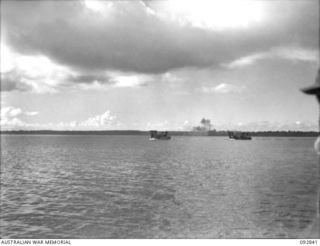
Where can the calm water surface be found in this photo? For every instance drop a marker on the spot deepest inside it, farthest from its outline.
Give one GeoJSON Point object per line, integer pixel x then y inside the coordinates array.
{"type": "Point", "coordinates": [130, 187]}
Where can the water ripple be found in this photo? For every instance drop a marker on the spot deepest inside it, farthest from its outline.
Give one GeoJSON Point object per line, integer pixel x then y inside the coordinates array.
{"type": "Point", "coordinates": [128, 187]}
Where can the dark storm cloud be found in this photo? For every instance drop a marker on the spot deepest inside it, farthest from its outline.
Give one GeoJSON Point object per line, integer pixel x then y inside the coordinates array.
{"type": "Point", "coordinates": [130, 39]}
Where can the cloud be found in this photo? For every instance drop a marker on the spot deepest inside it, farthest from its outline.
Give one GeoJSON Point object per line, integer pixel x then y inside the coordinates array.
{"type": "Point", "coordinates": [13, 80]}
{"type": "Point", "coordinates": [10, 112]}
{"type": "Point", "coordinates": [31, 113]}
{"type": "Point", "coordinates": [10, 120]}
{"type": "Point", "coordinates": [97, 5]}
{"type": "Point", "coordinates": [111, 79]}
{"type": "Point", "coordinates": [223, 88]}
{"type": "Point", "coordinates": [131, 80]}
{"type": "Point", "coordinates": [10, 117]}
{"type": "Point", "coordinates": [105, 119]}
{"type": "Point", "coordinates": [295, 54]}
{"type": "Point", "coordinates": [132, 36]}
{"type": "Point", "coordinates": [39, 74]}
{"type": "Point", "coordinates": [88, 78]}
{"type": "Point", "coordinates": [246, 61]}
{"type": "Point", "coordinates": [211, 14]}
{"type": "Point", "coordinates": [13, 123]}
{"type": "Point", "coordinates": [187, 126]}
{"type": "Point", "coordinates": [35, 73]}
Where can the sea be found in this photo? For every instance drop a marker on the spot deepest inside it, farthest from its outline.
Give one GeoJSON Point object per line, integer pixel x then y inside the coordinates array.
{"type": "Point", "coordinates": [102, 186]}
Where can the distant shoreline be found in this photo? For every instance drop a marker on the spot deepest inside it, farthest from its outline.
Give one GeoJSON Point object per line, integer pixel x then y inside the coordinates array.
{"type": "Point", "coordinates": [172, 133]}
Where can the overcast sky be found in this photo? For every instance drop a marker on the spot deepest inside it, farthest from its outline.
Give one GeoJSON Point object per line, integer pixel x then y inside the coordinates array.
{"type": "Point", "coordinates": [99, 65]}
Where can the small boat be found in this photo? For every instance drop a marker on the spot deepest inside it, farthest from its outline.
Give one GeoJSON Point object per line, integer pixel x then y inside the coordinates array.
{"type": "Point", "coordinates": [239, 135]}
{"type": "Point", "coordinates": [155, 135]}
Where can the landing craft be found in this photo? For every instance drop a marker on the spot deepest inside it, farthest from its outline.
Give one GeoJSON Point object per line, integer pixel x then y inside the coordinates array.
{"type": "Point", "coordinates": [155, 135]}
{"type": "Point", "coordinates": [239, 135]}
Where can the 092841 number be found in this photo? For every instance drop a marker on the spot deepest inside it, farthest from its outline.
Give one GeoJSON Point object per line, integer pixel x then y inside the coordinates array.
{"type": "Point", "coordinates": [308, 241]}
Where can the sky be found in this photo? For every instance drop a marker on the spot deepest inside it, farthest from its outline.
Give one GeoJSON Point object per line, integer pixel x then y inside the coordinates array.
{"type": "Point", "coordinates": [165, 65]}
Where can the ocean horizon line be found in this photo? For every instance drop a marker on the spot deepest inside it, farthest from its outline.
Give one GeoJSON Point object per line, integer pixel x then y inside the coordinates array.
{"type": "Point", "coordinates": [294, 133]}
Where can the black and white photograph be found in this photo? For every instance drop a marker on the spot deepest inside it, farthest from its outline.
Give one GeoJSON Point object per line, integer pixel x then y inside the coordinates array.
{"type": "Point", "coordinates": [160, 119]}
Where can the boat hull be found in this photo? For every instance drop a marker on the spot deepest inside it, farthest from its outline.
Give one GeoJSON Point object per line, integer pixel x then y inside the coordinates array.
{"type": "Point", "coordinates": [239, 135]}
{"type": "Point", "coordinates": [155, 135]}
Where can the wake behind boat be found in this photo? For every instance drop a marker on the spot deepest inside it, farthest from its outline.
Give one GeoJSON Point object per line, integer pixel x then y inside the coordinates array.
{"type": "Point", "coordinates": [155, 135]}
